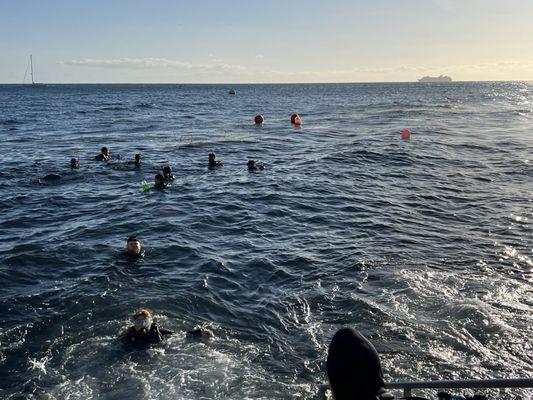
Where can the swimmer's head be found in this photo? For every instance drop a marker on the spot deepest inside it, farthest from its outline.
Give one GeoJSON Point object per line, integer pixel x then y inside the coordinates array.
{"type": "Point", "coordinates": [74, 163]}
{"type": "Point", "coordinates": [142, 319]}
{"type": "Point", "coordinates": [133, 246]}
{"type": "Point", "coordinates": [105, 151]}
{"type": "Point", "coordinates": [251, 164]}
{"type": "Point", "coordinates": [212, 160]}
{"type": "Point", "coordinates": [167, 171]}
{"type": "Point", "coordinates": [159, 180]}
{"type": "Point", "coordinates": [138, 158]}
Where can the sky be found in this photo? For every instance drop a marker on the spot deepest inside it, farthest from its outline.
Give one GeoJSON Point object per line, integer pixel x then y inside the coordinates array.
{"type": "Point", "coordinates": [251, 41]}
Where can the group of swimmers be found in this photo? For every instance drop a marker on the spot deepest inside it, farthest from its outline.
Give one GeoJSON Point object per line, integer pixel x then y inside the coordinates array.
{"type": "Point", "coordinates": [353, 366]}
{"type": "Point", "coordinates": [144, 331]}
{"type": "Point", "coordinates": [161, 181]}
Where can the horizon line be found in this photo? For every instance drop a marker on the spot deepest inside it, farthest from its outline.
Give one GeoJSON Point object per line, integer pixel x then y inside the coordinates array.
{"type": "Point", "coordinates": [258, 83]}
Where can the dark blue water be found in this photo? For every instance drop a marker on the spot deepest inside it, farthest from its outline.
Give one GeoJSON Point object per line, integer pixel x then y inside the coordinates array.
{"type": "Point", "coordinates": [423, 245]}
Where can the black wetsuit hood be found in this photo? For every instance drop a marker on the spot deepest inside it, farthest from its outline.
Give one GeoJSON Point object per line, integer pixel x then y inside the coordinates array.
{"type": "Point", "coordinates": [353, 367]}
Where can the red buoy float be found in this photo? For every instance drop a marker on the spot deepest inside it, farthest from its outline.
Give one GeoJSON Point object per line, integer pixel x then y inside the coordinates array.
{"type": "Point", "coordinates": [406, 134]}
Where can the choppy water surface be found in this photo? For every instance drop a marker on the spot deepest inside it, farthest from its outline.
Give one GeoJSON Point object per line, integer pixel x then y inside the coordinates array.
{"type": "Point", "coordinates": [423, 245]}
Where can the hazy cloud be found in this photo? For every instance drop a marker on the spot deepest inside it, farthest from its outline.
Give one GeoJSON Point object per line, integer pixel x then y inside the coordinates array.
{"type": "Point", "coordinates": [216, 70]}
{"type": "Point", "coordinates": [153, 63]}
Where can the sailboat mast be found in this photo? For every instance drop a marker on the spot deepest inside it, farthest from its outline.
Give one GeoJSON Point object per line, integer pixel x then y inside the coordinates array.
{"type": "Point", "coordinates": [31, 63]}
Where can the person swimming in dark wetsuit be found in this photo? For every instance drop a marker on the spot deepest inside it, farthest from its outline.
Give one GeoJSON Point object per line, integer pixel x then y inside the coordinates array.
{"type": "Point", "coordinates": [134, 248]}
{"type": "Point", "coordinates": [159, 182]}
{"type": "Point", "coordinates": [167, 174]}
{"type": "Point", "coordinates": [144, 331]}
{"type": "Point", "coordinates": [137, 161]}
{"type": "Point", "coordinates": [103, 156]}
{"type": "Point", "coordinates": [254, 166]}
{"type": "Point", "coordinates": [213, 163]}
{"type": "Point", "coordinates": [74, 164]}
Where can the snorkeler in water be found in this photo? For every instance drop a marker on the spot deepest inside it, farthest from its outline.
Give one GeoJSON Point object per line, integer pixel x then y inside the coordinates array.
{"type": "Point", "coordinates": [167, 174]}
{"type": "Point", "coordinates": [213, 163]}
{"type": "Point", "coordinates": [103, 156]}
{"type": "Point", "coordinates": [137, 160]}
{"type": "Point", "coordinates": [255, 166]}
{"type": "Point", "coordinates": [159, 182]}
{"type": "Point", "coordinates": [144, 332]}
{"type": "Point", "coordinates": [134, 248]}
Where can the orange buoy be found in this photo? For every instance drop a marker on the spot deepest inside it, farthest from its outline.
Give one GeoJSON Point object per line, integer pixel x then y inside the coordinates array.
{"type": "Point", "coordinates": [297, 121]}
{"type": "Point", "coordinates": [259, 119]}
{"type": "Point", "coordinates": [293, 116]}
{"type": "Point", "coordinates": [406, 134]}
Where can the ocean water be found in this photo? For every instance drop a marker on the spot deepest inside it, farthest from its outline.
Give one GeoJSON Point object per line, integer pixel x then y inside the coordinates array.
{"type": "Point", "coordinates": [425, 245]}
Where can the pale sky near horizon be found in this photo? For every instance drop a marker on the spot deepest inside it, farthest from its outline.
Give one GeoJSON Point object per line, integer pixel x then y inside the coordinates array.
{"type": "Point", "coordinates": [265, 41]}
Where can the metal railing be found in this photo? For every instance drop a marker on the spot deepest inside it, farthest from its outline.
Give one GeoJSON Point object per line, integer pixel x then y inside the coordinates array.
{"type": "Point", "coordinates": [462, 384]}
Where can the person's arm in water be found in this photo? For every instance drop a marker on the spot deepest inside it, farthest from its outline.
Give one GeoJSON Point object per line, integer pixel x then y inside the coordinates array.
{"type": "Point", "coordinates": [165, 332]}
{"type": "Point", "coordinates": [157, 334]}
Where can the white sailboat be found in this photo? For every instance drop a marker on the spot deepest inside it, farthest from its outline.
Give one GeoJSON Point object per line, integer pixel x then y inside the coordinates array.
{"type": "Point", "coordinates": [33, 83]}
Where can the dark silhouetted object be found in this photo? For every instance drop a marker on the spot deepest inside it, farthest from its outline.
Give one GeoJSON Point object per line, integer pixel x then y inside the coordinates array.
{"type": "Point", "coordinates": [353, 367]}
